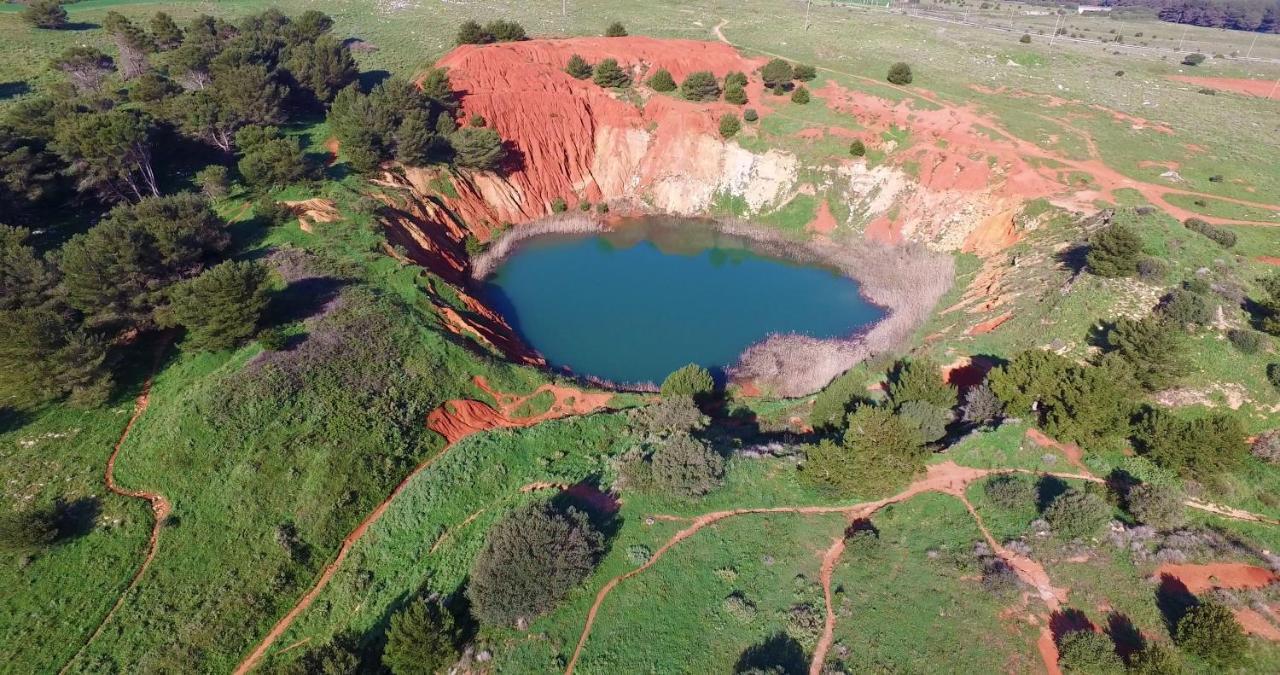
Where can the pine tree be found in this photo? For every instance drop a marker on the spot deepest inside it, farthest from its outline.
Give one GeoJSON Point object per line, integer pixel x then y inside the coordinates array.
{"type": "Point", "coordinates": [1114, 252]}
{"type": "Point", "coordinates": [221, 308]}
{"type": "Point", "coordinates": [608, 74]}
{"type": "Point", "coordinates": [322, 66]}
{"type": "Point", "coordinates": [165, 32]}
{"type": "Point", "coordinates": [578, 68]}
{"type": "Point", "coordinates": [47, 14]}
{"type": "Point", "coordinates": [700, 86]}
{"type": "Point", "coordinates": [478, 149]}
{"type": "Point", "coordinates": [662, 81]}
{"type": "Point", "coordinates": [422, 639]}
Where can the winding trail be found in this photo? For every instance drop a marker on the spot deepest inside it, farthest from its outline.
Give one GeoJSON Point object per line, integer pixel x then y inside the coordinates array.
{"type": "Point", "coordinates": [160, 507]}
{"type": "Point", "coordinates": [829, 560]}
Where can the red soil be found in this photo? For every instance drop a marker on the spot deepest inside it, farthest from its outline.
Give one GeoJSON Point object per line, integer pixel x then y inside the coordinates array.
{"type": "Point", "coordinates": [454, 421]}
{"type": "Point", "coordinates": [990, 324]}
{"type": "Point", "coordinates": [1073, 453]}
{"type": "Point", "coordinates": [996, 233]}
{"type": "Point", "coordinates": [829, 560]}
{"type": "Point", "coordinates": [1255, 623]}
{"type": "Point", "coordinates": [1260, 88]}
{"type": "Point", "coordinates": [967, 371]}
{"type": "Point", "coordinates": [1268, 259]}
{"type": "Point", "coordinates": [823, 222]}
{"type": "Point", "coordinates": [1201, 578]}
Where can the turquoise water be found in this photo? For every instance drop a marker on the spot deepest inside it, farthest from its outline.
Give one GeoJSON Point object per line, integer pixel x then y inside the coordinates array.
{"type": "Point", "coordinates": [635, 304]}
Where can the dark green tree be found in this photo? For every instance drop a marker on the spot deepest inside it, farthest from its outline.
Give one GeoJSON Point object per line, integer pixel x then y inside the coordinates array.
{"type": "Point", "coordinates": [47, 14]}
{"type": "Point", "coordinates": [1158, 505]}
{"type": "Point", "coordinates": [981, 406]}
{"type": "Point", "coordinates": [1155, 658]}
{"type": "Point", "coordinates": [735, 94]}
{"type": "Point", "coordinates": [530, 560]}
{"type": "Point", "coordinates": [480, 149]}
{"type": "Point", "coordinates": [417, 143]}
{"type": "Point", "coordinates": [26, 280]}
{"type": "Point", "coordinates": [578, 68]}
{"type": "Point", "coordinates": [1114, 251]}
{"type": "Point", "coordinates": [1211, 632]}
{"type": "Point", "coordinates": [899, 74]}
{"type": "Point", "coordinates": [268, 159]}
{"type": "Point", "coordinates": [109, 152]}
{"type": "Point", "coordinates": [165, 32]}
{"type": "Point", "coordinates": [85, 68]}
{"type": "Point", "coordinates": [920, 379]}
{"type": "Point", "coordinates": [662, 81]}
{"type": "Point", "coordinates": [1090, 405]}
{"type": "Point", "coordinates": [804, 73]}
{"type": "Point", "coordinates": [27, 531]}
{"type": "Point", "coordinates": [879, 452]}
{"type": "Point", "coordinates": [221, 308]}
{"type": "Point", "coordinates": [686, 466]}
{"type": "Point", "coordinates": [730, 125]}
{"type": "Point", "coordinates": [1087, 651]}
{"type": "Point", "coordinates": [1029, 380]}
{"type": "Point", "coordinates": [422, 639]}
{"type": "Point", "coordinates": [608, 74]}
{"type": "Point", "coordinates": [28, 172]}
{"type": "Point", "coordinates": [213, 181]}
{"type": "Point", "coordinates": [929, 419]}
{"type": "Point", "coordinates": [800, 95]}
{"type": "Point", "coordinates": [237, 97]}
{"type": "Point", "coordinates": [44, 355]}
{"type": "Point", "coordinates": [1186, 308]}
{"type": "Point", "coordinates": [308, 26]}
{"type": "Point", "coordinates": [857, 148]}
{"type": "Point", "coordinates": [1155, 351]}
{"type": "Point", "coordinates": [1200, 447]}
{"type": "Point", "coordinates": [691, 380]}
{"type": "Point", "coordinates": [1078, 514]}
{"type": "Point", "coordinates": [132, 43]}
{"type": "Point", "coordinates": [776, 73]}
{"type": "Point", "coordinates": [322, 67]}
{"type": "Point", "coordinates": [700, 86]}
{"type": "Point", "coordinates": [505, 31]}
{"type": "Point", "coordinates": [470, 33]}
{"type": "Point", "coordinates": [832, 405]}
{"type": "Point", "coordinates": [615, 29]}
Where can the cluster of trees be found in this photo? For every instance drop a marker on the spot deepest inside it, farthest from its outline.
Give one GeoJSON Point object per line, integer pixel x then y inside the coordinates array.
{"type": "Point", "coordinates": [1251, 15]}
{"type": "Point", "coordinates": [500, 30]}
{"type": "Point", "coordinates": [881, 446]}
{"type": "Point", "coordinates": [671, 455]}
{"type": "Point", "coordinates": [778, 75]}
{"type": "Point", "coordinates": [1209, 630]}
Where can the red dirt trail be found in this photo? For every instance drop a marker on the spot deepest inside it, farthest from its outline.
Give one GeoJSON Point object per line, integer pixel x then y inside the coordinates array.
{"type": "Point", "coordinates": [1201, 578]}
{"type": "Point", "coordinates": [1239, 85]}
{"type": "Point", "coordinates": [454, 420]}
{"type": "Point", "coordinates": [159, 504]}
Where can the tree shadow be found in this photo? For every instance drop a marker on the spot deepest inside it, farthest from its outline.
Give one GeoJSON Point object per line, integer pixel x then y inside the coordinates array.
{"type": "Point", "coordinates": [1068, 620]}
{"type": "Point", "coordinates": [513, 161]}
{"type": "Point", "coordinates": [80, 25]}
{"type": "Point", "coordinates": [1174, 600]}
{"type": "Point", "coordinates": [975, 372]}
{"type": "Point", "coordinates": [10, 90]}
{"type": "Point", "coordinates": [1126, 636]}
{"type": "Point", "coordinates": [1073, 257]}
{"type": "Point", "coordinates": [369, 79]}
{"type": "Point", "coordinates": [1048, 488]}
{"type": "Point", "coordinates": [779, 653]}
{"type": "Point", "coordinates": [302, 299]}
{"type": "Point", "coordinates": [600, 507]}
{"type": "Point", "coordinates": [12, 418]}
{"type": "Point", "coordinates": [76, 518]}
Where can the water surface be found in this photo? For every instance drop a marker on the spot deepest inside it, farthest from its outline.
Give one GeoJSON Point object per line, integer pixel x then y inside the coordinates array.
{"type": "Point", "coordinates": [635, 304]}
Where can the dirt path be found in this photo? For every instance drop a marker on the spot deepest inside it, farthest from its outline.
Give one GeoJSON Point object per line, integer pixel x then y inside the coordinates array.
{"type": "Point", "coordinates": [829, 560]}
{"type": "Point", "coordinates": [159, 505]}
{"type": "Point", "coordinates": [445, 421]}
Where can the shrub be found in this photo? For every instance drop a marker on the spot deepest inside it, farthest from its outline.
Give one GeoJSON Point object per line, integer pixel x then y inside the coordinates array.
{"type": "Point", "coordinates": [700, 86]}
{"type": "Point", "coordinates": [981, 406]}
{"type": "Point", "coordinates": [735, 94]}
{"type": "Point", "coordinates": [1184, 306]}
{"type": "Point", "coordinates": [1266, 446]}
{"type": "Point", "coordinates": [422, 638]}
{"type": "Point", "coordinates": [899, 73]}
{"type": "Point", "coordinates": [1157, 505]}
{"type": "Point", "coordinates": [804, 73]}
{"type": "Point", "coordinates": [779, 90]}
{"type": "Point", "coordinates": [505, 31]}
{"type": "Point", "coordinates": [670, 415]}
{"type": "Point", "coordinates": [529, 561]}
{"type": "Point", "coordinates": [478, 148]}
{"type": "Point", "coordinates": [1155, 658]}
{"type": "Point", "coordinates": [1077, 514]}
{"type": "Point", "coordinates": [608, 74]}
{"type": "Point", "coordinates": [268, 159]}
{"type": "Point", "coordinates": [1154, 350]}
{"type": "Point", "coordinates": [273, 212]}
{"type": "Point", "coordinates": [558, 205]}
{"type": "Point", "coordinates": [470, 33]}
{"type": "Point", "coordinates": [213, 181]}
{"type": "Point", "coordinates": [735, 78]}
{"type": "Point", "coordinates": [832, 405]}
{"type": "Point", "coordinates": [1211, 632]}
{"type": "Point", "coordinates": [1025, 39]}
{"type": "Point", "coordinates": [1152, 270]}
{"type": "Point", "coordinates": [692, 380]}
{"type": "Point", "coordinates": [729, 125]}
{"type": "Point", "coordinates": [1219, 235]}
{"type": "Point", "coordinates": [27, 531]}
{"type": "Point", "coordinates": [750, 115]}
{"type": "Point", "coordinates": [578, 68]}
{"type": "Point", "coordinates": [273, 339]}
{"type": "Point", "coordinates": [221, 308]}
{"type": "Point", "coordinates": [1245, 340]}
{"type": "Point", "coordinates": [931, 420]}
{"type": "Point", "coordinates": [615, 29]}
{"type": "Point", "coordinates": [920, 379]}
{"type": "Point", "coordinates": [686, 466]}
{"type": "Point", "coordinates": [1114, 252]}
{"type": "Point", "coordinates": [1193, 59]}
{"type": "Point", "coordinates": [584, 206]}
{"type": "Point", "coordinates": [776, 73]}
{"type": "Point", "coordinates": [476, 120]}
{"type": "Point", "coordinates": [1010, 491]}
{"type": "Point", "coordinates": [1086, 651]}
{"type": "Point", "coordinates": [46, 14]}
{"type": "Point", "coordinates": [857, 148]}
{"type": "Point", "coordinates": [662, 81]}
{"type": "Point", "coordinates": [1207, 445]}
{"type": "Point", "coordinates": [879, 453]}
{"type": "Point", "coordinates": [800, 95]}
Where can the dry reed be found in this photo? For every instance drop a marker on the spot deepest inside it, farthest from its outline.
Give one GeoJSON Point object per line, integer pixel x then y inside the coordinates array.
{"type": "Point", "coordinates": [562, 223]}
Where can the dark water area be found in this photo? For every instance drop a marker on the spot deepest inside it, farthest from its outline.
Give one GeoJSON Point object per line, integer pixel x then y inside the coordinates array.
{"type": "Point", "coordinates": [636, 303]}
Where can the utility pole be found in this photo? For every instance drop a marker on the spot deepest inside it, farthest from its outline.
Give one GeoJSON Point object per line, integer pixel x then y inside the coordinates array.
{"type": "Point", "coordinates": [564, 7]}
{"type": "Point", "coordinates": [1274, 87]}
{"type": "Point", "coordinates": [1184, 36]}
{"type": "Point", "coordinates": [1055, 30]}
{"type": "Point", "coordinates": [807, 5]}
{"type": "Point", "coordinates": [1251, 44]}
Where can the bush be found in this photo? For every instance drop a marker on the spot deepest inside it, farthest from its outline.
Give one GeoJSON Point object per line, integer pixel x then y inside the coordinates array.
{"type": "Point", "coordinates": [1025, 39]}
{"type": "Point", "coordinates": [1266, 446]}
{"type": "Point", "coordinates": [1193, 59]}
{"type": "Point", "coordinates": [558, 205]}
{"type": "Point", "coordinates": [880, 452]}
{"type": "Point", "coordinates": [1154, 350]}
{"type": "Point", "coordinates": [750, 115]}
{"type": "Point", "coordinates": [776, 73]}
{"type": "Point", "coordinates": [273, 213]}
{"type": "Point", "coordinates": [735, 94]}
{"type": "Point", "coordinates": [478, 148]}
{"type": "Point", "coordinates": [470, 33]}
{"type": "Point", "coordinates": [422, 638]}
{"type": "Point", "coordinates": [273, 339]}
{"type": "Point", "coordinates": [221, 308]}
{"type": "Point", "coordinates": [213, 181]}
{"type": "Point", "coordinates": [857, 148]}
{"type": "Point", "coordinates": [47, 14]}
{"type": "Point", "coordinates": [578, 68]}
{"type": "Point", "coordinates": [1184, 306]}
{"type": "Point", "coordinates": [729, 125]}
{"type": "Point", "coordinates": [505, 31]}
{"type": "Point", "coordinates": [804, 73]}
{"type": "Point", "coordinates": [1086, 651]}
{"type": "Point", "coordinates": [800, 95]}
{"type": "Point", "coordinates": [700, 86]}
{"type": "Point", "coordinates": [1157, 505]}
{"type": "Point", "coordinates": [1156, 658]}
{"type": "Point", "coordinates": [692, 380]}
{"type": "Point", "coordinates": [981, 406]}
{"type": "Point", "coordinates": [1219, 235]}
{"type": "Point", "coordinates": [832, 405]}
{"type": "Point", "coordinates": [1245, 340]}
{"type": "Point", "coordinates": [920, 379]}
{"type": "Point", "coordinates": [615, 29]}
{"type": "Point", "coordinates": [1152, 270]}
{"type": "Point", "coordinates": [608, 74]}
{"type": "Point", "coordinates": [686, 466]}
{"type": "Point", "coordinates": [1077, 514]}
{"type": "Point", "coordinates": [1199, 447]}
{"type": "Point", "coordinates": [735, 78]}
{"type": "Point", "coordinates": [931, 420]}
{"type": "Point", "coordinates": [1010, 491]}
{"type": "Point", "coordinates": [670, 415]}
{"type": "Point", "coordinates": [1114, 252]}
{"type": "Point", "coordinates": [530, 560]}
{"type": "Point", "coordinates": [28, 531]}
{"type": "Point", "coordinates": [268, 159]}
{"type": "Point", "coordinates": [899, 73]}
{"type": "Point", "coordinates": [779, 90]}
{"type": "Point", "coordinates": [476, 120]}
{"type": "Point", "coordinates": [662, 81]}
{"type": "Point", "coordinates": [1211, 632]}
